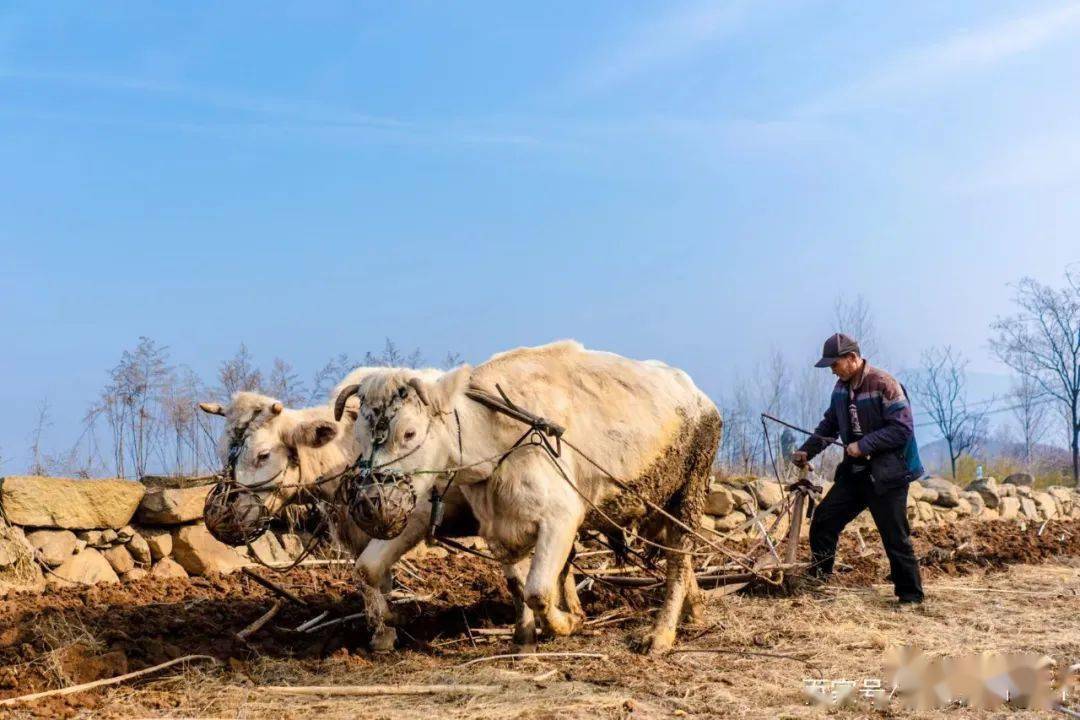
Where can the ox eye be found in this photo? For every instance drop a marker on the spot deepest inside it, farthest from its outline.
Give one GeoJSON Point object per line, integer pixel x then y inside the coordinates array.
{"type": "Point", "coordinates": [409, 435]}
{"type": "Point", "coordinates": [403, 392]}
{"type": "Point", "coordinates": [262, 457]}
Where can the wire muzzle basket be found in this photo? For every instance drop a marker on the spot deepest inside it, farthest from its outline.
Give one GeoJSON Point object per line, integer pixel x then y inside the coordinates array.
{"type": "Point", "coordinates": [234, 514]}
{"type": "Point", "coordinates": [379, 503]}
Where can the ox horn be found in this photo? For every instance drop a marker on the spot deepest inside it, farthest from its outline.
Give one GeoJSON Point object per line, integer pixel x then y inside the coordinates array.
{"type": "Point", "coordinates": [342, 398]}
{"type": "Point", "coordinates": [276, 408]}
{"type": "Point", "coordinates": [212, 408]}
{"type": "Point", "coordinates": [418, 385]}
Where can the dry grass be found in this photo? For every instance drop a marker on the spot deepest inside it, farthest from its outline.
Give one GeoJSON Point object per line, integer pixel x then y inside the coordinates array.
{"type": "Point", "coordinates": [841, 633]}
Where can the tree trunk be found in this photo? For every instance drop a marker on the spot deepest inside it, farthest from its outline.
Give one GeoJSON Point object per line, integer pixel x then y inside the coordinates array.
{"type": "Point", "coordinates": [952, 459]}
{"type": "Point", "coordinates": [1076, 455]}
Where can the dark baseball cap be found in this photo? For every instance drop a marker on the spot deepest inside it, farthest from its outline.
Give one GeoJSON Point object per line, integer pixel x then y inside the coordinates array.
{"type": "Point", "coordinates": [836, 346]}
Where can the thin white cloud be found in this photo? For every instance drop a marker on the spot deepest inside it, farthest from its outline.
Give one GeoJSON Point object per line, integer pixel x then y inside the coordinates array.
{"type": "Point", "coordinates": [1039, 162]}
{"type": "Point", "coordinates": [239, 111]}
{"type": "Point", "coordinates": [206, 97]}
{"type": "Point", "coordinates": [964, 53]}
{"type": "Point", "coordinates": [660, 41]}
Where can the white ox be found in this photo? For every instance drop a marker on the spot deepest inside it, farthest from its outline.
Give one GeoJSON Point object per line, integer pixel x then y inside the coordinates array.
{"type": "Point", "coordinates": [645, 422]}
{"type": "Point", "coordinates": [284, 450]}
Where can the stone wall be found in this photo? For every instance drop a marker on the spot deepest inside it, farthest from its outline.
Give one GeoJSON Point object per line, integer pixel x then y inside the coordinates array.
{"type": "Point", "coordinates": [735, 505]}
{"type": "Point", "coordinates": [62, 532]}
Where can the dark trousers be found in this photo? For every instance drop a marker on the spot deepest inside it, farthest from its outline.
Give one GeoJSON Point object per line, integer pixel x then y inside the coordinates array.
{"type": "Point", "coordinates": [849, 496]}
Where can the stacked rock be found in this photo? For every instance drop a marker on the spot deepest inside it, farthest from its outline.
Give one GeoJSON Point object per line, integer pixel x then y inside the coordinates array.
{"type": "Point", "coordinates": [66, 531]}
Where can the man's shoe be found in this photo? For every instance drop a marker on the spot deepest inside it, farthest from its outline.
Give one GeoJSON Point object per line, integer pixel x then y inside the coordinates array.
{"type": "Point", "coordinates": [909, 604]}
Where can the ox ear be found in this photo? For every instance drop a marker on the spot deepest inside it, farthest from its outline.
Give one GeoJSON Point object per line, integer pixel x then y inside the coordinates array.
{"type": "Point", "coordinates": [313, 433]}
{"type": "Point", "coordinates": [443, 392]}
{"type": "Point", "coordinates": [212, 409]}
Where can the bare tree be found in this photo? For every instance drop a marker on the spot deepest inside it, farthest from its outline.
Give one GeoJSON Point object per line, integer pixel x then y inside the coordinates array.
{"type": "Point", "coordinates": [452, 360]}
{"type": "Point", "coordinates": [774, 393]}
{"type": "Point", "coordinates": [1028, 407]}
{"type": "Point", "coordinates": [1042, 342]}
{"type": "Point", "coordinates": [329, 375]}
{"type": "Point", "coordinates": [137, 382]}
{"type": "Point", "coordinates": [38, 464]}
{"type": "Point", "coordinates": [853, 317]}
{"type": "Point", "coordinates": [285, 385]}
{"type": "Point", "coordinates": [391, 356]}
{"type": "Point", "coordinates": [741, 441]}
{"type": "Point", "coordinates": [238, 374]}
{"type": "Point", "coordinates": [941, 387]}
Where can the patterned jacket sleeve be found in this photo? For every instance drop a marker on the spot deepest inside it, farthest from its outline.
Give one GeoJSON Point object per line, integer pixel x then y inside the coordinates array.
{"type": "Point", "coordinates": [898, 426]}
{"type": "Point", "coordinates": [827, 428]}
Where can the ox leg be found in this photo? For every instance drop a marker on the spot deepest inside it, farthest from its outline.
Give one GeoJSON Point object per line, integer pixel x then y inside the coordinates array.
{"type": "Point", "coordinates": [568, 582]}
{"type": "Point", "coordinates": [679, 573]}
{"type": "Point", "coordinates": [544, 589]}
{"type": "Point", "coordinates": [524, 620]}
{"type": "Point", "coordinates": [694, 605]}
{"type": "Point", "coordinates": [373, 571]}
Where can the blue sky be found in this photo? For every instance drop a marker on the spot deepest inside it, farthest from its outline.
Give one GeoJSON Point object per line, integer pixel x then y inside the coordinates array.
{"type": "Point", "coordinates": [696, 182]}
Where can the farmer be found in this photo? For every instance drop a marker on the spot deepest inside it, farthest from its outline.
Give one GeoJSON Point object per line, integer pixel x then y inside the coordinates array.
{"type": "Point", "coordinates": [870, 413]}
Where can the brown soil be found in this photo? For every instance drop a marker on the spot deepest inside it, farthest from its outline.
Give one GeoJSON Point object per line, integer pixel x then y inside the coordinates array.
{"type": "Point", "coordinates": [70, 636]}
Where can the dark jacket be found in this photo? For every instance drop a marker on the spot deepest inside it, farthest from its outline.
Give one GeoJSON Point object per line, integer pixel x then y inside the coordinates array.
{"type": "Point", "coordinates": [888, 427]}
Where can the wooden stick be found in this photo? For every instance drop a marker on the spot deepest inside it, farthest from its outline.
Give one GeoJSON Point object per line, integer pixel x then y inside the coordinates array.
{"type": "Point", "coordinates": [303, 563]}
{"type": "Point", "coordinates": [313, 621]}
{"type": "Point", "coordinates": [538, 656]}
{"type": "Point", "coordinates": [107, 681]}
{"type": "Point", "coordinates": [370, 690]}
{"type": "Point", "coordinates": [263, 619]}
{"type": "Point", "coordinates": [272, 586]}
{"type": "Point", "coordinates": [335, 621]}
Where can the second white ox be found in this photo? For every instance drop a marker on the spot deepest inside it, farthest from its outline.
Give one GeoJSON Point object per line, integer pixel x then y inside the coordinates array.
{"type": "Point", "coordinates": [645, 422]}
{"type": "Point", "coordinates": [282, 451]}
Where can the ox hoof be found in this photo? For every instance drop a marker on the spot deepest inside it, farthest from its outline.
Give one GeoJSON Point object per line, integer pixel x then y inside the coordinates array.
{"type": "Point", "coordinates": [526, 648]}
{"type": "Point", "coordinates": [655, 642]}
{"type": "Point", "coordinates": [383, 640]}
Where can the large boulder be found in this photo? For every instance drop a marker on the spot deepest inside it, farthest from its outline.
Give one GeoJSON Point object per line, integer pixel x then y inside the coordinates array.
{"type": "Point", "coordinates": [69, 504]}
{"type": "Point", "coordinates": [1028, 508]}
{"type": "Point", "coordinates": [158, 540]}
{"type": "Point", "coordinates": [269, 550]}
{"type": "Point", "coordinates": [987, 488]}
{"type": "Point", "coordinates": [200, 553]}
{"type": "Point", "coordinates": [1009, 507]}
{"type": "Point", "coordinates": [978, 504]}
{"type": "Point", "coordinates": [293, 544]}
{"type": "Point", "coordinates": [948, 494]}
{"type": "Point", "coordinates": [769, 493]}
{"type": "Point", "coordinates": [168, 568]}
{"type": "Point", "coordinates": [18, 569]}
{"type": "Point", "coordinates": [1021, 479]}
{"type": "Point", "coordinates": [140, 550]}
{"type": "Point", "coordinates": [87, 568]}
{"type": "Point", "coordinates": [1047, 507]}
{"type": "Point", "coordinates": [120, 559]}
{"type": "Point", "coordinates": [1007, 490]}
{"type": "Point", "coordinates": [719, 500]}
{"type": "Point", "coordinates": [172, 506]}
{"type": "Point", "coordinates": [1065, 498]}
{"type": "Point", "coordinates": [54, 547]}
{"type": "Point", "coordinates": [729, 522]}
{"type": "Point", "coordinates": [744, 501]}
{"type": "Point", "coordinates": [963, 507]}
{"type": "Point", "coordinates": [925, 510]}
